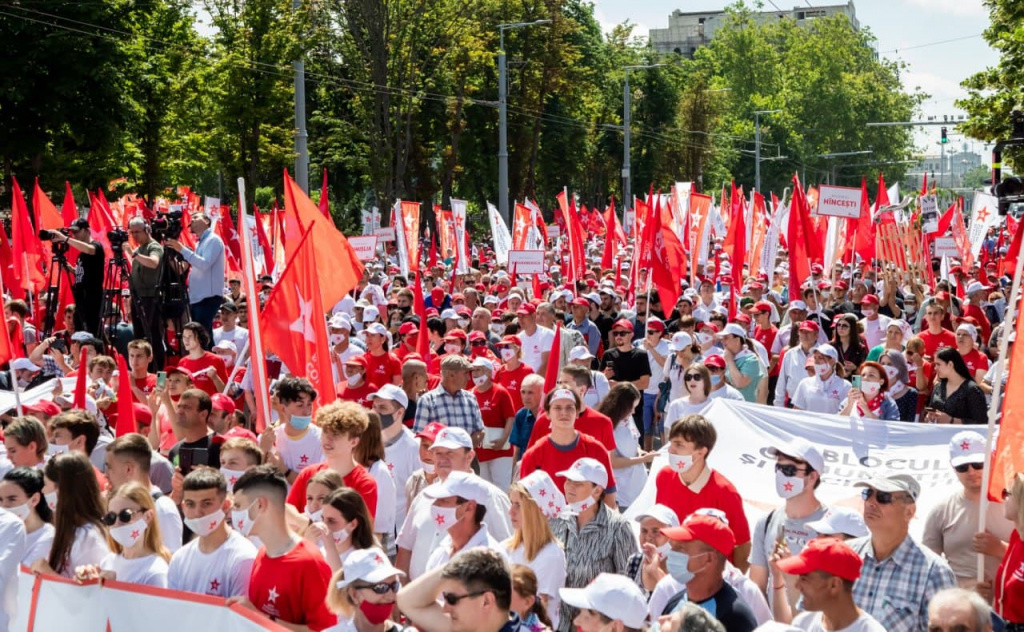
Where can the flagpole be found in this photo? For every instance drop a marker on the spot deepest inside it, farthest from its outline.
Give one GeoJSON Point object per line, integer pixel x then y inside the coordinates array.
{"type": "Point", "coordinates": [259, 367]}
{"type": "Point", "coordinates": [17, 395]}
{"type": "Point", "coordinates": [993, 409]}
{"type": "Point", "coordinates": [239, 361]}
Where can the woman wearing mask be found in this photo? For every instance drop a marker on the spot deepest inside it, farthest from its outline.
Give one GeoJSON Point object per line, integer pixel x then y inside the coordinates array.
{"type": "Point", "coordinates": [706, 333]}
{"type": "Point", "coordinates": [369, 453]}
{"type": "Point", "coordinates": [824, 392]}
{"type": "Point", "coordinates": [318, 489]}
{"type": "Point", "coordinates": [80, 536]}
{"type": "Point", "coordinates": [363, 593]}
{"type": "Point", "coordinates": [905, 396]}
{"type": "Point", "coordinates": [956, 398]}
{"type": "Point", "coordinates": [345, 526]}
{"type": "Point", "coordinates": [526, 602]}
{"type": "Point", "coordinates": [512, 371]}
{"type": "Point", "coordinates": [535, 500]}
{"type": "Point", "coordinates": [872, 399]}
{"type": "Point", "coordinates": [628, 459]}
{"type": "Point", "coordinates": [21, 493]}
{"type": "Point", "coordinates": [683, 352]}
{"type": "Point", "coordinates": [137, 554]}
{"type": "Point", "coordinates": [848, 343]}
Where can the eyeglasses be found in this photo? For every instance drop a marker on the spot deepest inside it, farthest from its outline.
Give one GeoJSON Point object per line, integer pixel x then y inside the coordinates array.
{"type": "Point", "coordinates": [962, 468]}
{"type": "Point", "coordinates": [693, 377]}
{"type": "Point", "coordinates": [478, 343]}
{"type": "Point", "coordinates": [124, 516]}
{"type": "Point", "coordinates": [788, 469]}
{"type": "Point", "coordinates": [619, 333]}
{"type": "Point", "coordinates": [842, 326]}
{"type": "Point", "coordinates": [382, 588]}
{"type": "Point", "coordinates": [453, 600]}
{"type": "Point", "coordinates": [883, 498]}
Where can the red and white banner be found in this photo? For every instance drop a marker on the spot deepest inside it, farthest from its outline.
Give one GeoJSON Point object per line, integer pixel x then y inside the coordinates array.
{"type": "Point", "coordinates": [407, 230]}
{"type": "Point", "coordinates": [461, 255]}
{"type": "Point", "coordinates": [836, 201]}
{"type": "Point", "coordinates": [500, 235]}
{"type": "Point", "coordinates": [365, 246]}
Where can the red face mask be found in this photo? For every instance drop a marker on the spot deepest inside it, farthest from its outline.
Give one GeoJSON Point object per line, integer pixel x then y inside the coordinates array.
{"type": "Point", "coordinates": [376, 613]}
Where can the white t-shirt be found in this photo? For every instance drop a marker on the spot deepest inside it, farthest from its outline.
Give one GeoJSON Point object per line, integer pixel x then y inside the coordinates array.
{"type": "Point", "coordinates": [549, 567]}
{"type": "Point", "coordinates": [403, 458]}
{"type": "Point", "coordinates": [146, 571]}
{"type": "Point", "coordinates": [12, 550]}
{"type": "Point", "coordinates": [90, 547]}
{"type": "Point", "coordinates": [811, 622]}
{"type": "Point", "coordinates": [443, 553]}
{"type": "Point", "coordinates": [170, 522]}
{"type": "Point", "coordinates": [657, 368]}
{"type": "Point", "coordinates": [726, 392]}
{"type": "Point", "coordinates": [387, 498]}
{"type": "Point", "coordinates": [238, 335]}
{"type": "Point", "coordinates": [816, 396]}
{"type": "Point", "coordinates": [223, 573]}
{"type": "Point", "coordinates": [874, 330]}
{"type": "Point", "coordinates": [629, 481]}
{"type": "Point", "coordinates": [599, 387]}
{"type": "Point", "coordinates": [679, 408]}
{"type": "Point", "coordinates": [38, 544]}
{"type": "Point", "coordinates": [299, 452]}
{"type": "Point", "coordinates": [535, 345]}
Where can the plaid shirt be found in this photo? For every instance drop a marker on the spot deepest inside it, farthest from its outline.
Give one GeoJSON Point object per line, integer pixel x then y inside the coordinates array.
{"type": "Point", "coordinates": [896, 590]}
{"type": "Point", "coordinates": [460, 410]}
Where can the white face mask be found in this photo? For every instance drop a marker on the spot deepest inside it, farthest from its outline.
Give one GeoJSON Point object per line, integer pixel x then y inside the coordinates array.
{"type": "Point", "coordinates": [508, 354]}
{"type": "Point", "coordinates": [580, 506]}
{"type": "Point", "coordinates": [337, 339]}
{"type": "Point", "coordinates": [463, 322]}
{"type": "Point", "coordinates": [51, 500]}
{"type": "Point", "coordinates": [241, 521]}
{"type": "Point", "coordinates": [788, 486]}
{"type": "Point", "coordinates": [21, 511]}
{"type": "Point", "coordinates": [664, 549]}
{"type": "Point", "coordinates": [316, 516]}
{"type": "Point", "coordinates": [680, 462]}
{"type": "Point", "coordinates": [497, 330]}
{"type": "Point", "coordinates": [892, 372]}
{"type": "Point", "coordinates": [822, 369]}
{"type": "Point", "coordinates": [428, 468]}
{"type": "Point", "coordinates": [703, 338]}
{"type": "Point", "coordinates": [232, 476]}
{"type": "Point", "coordinates": [353, 380]}
{"type": "Point", "coordinates": [53, 449]}
{"type": "Point", "coordinates": [868, 313]}
{"type": "Point", "coordinates": [340, 537]}
{"type": "Point", "coordinates": [128, 534]}
{"type": "Point", "coordinates": [870, 389]}
{"type": "Point", "coordinates": [206, 525]}
{"type": "Point", "coordinates": [443, 517]}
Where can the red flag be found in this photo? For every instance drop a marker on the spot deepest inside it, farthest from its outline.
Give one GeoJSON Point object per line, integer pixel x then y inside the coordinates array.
{"type": "Point", "coordinates": [1008, 456]}
{"type": "Point", "coordinates": [668, 260]}
{"type": "Point", "coordinates": [7, 271]}
{"type": "Point", "coordinates": [700, 210]}
{"type": "Point", "coordinates": [554, 360]}
{"type": "Point", "coordinates": [419, 307]}
{"type": "Point", "coordinates": [6, 346]}
{"type": "Point", "coordinates": [1010, 260]}
{"type": "Point", "coordinates": [264, 243]}
{"type": "Point", "coordinates": [946, 220]}
{"type": "Point", "coordinates": [330, 249]}
{"type": "Point", "coordinates": [924, 185]}
{"type": "Point", "coordinates": [125, 410]}
{"type": "Point", "coordinates": [68, 210]}
{"type": "Point", "coordinates": [28, 251]}
{"type": "Point", "coordinates": [860, 231]}
{"type": "Point", "coordinates": [300, 337]}
{"type": "Point", "coordinates": [803, 248]}
{"type": "Point", "coordinates": [324, 203]}
{"type": "Point", "coordinates": [47, 216]}
{"type": "Point", "coordinates": [735, 239]}
{"type": "Point", "coordinates": [610, 222]}
{"type": "Point", "coordinates": [229, 235]}
{"type": "Point", "coordinates": [433, 251]}
{"type": "Point", "coordinates": [80, 379]}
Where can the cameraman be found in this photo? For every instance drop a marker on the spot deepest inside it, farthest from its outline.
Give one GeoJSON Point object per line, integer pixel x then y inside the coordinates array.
{"type": "Point", "coordinates": [206, 281]}
{"type": "Point", "coordinates": [147, 315]}
{"type": "Point", "coordinates": [88, 286]}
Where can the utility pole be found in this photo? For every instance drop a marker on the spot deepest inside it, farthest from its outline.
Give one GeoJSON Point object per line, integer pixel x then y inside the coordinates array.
{"type": "Point", "coordinates": [627, 184]}
{"type": "Point", "coordinates": [757, 146]}
{"type": "Point", "coordinates": [503, 206]}
{"type": "Point", "coordinates": [301, 150]}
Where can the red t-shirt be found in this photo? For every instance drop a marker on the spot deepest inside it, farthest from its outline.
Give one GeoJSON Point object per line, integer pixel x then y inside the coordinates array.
{"type": "Point", "coordinates": [979, 315]}
{"type": "Point", "coordinates": [144, 384]}
{"type": "Point", "coordinates": [360, 394]}
{"type": "Point", "coordinates": [590, 422]}
{"type": "Point", "coordinates": [934, 342]}
{"type": "Point", "coordinates": [553, 458]}
{"type": "Point", "coordinates": [495, 408]}
{"type": "Point", "coordinates": [717, 493]}
{"type": "Point", "coordinates": [975, 361]}
{"type": "Point", "coordinates": [382, 369]}
{"type": "Point", "coordinates": [512, 380]}
{"type": "Point", "coordinates": [198, 367]}
{"type": "Point", "coordinates": [765, 336]}
{"type": "Point", "coordinates": [358, 479]}
{"type": "Point", "coordinates": [293, 587]}
{"type": "Point", "coordinates": [1008, 598]}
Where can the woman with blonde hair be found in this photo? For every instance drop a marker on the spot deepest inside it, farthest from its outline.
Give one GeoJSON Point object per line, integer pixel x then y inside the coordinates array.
{"type": "Point", "coordinates": [535, 500]}
{"type": "Point", "coordinates": [137, 553]}
{"type": "Point", "coordinates": [363, 592]}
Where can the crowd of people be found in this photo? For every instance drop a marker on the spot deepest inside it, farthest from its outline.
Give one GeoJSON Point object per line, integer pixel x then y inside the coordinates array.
{"type": "Point", "coordinates": [483, 486]}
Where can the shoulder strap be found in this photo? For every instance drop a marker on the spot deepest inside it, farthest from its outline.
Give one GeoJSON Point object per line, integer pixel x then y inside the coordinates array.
{"type": "Point", "coordinates": [768, 521]}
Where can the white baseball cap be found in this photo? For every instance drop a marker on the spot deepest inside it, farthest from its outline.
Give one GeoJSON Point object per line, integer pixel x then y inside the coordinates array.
{"type": "Point", "coordinates": [227, 345]}
{"type": "Point", "coordinates": [966, 446]}
{"type": "Point", "coordinates": [680, 340]}
{"type": "Point", "coordinates": [459, 485]}
{"type": "Point", "coordinates": [662, 514]}
{"type": "Point", "coordinates": [732, 329]}
{"type": "Point", "coordinates": [840, 521]}
{"type": "Point", "coordinates": [613, 595]}
{"type": "Point", "coordinates": [370, 313]}
{"type": "Point", "coordinates": [369, 565]}
{"type": "Point", "coordinates": [586, 470]}
{"type": "Point", "coordinates": [452, 439]}
{"type": "Point", "coordinates": [580, 352]}
{"type": "Point", "coordinates": [798, 304]}
{"type": "Point", "coordinates": [562, 393]}
{"type": "Point", "coordinates": [449, 313]}
{"type": "Point", "coordinates": [802, 449]}
{"type": "Point", "coordinates": [19, 364]}
{"type": "Point", "coordinates": [483, 363]}
{"type": "Point", "coordinates": [544, 492]}
{"type": "Point", "coordinates": [376, 328]}
{"type": "Point", "coordinates": [340, 321]}
{"type": "Point", "coordinates": [971, 330]}
{"type": "Point", "coordinates": [828, 351]}
{"type": "Point", "coordinates": [974, 286]}
{"type": "Point", "coordinates": [392, 392]}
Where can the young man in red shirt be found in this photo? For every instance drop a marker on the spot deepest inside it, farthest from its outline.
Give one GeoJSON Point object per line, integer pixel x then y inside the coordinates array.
{"type": "Point", "coordinates": [934, 335]}
{"type": "Point", "coordinates": [341, 424]}
{"type": "Point", "coordinates": [565, 445]}
{"type": "Point", "coordinates": [382, 367]}
{"type": "Point", "coordinates": [290, 578]}
{"type": "Point", "coordinates": [498, 414]}
{"type": "Point", "coordinates": [688, 483]}
{"type": "Point", "coordinates": [140, 354]}
{"type": "Point", "coordinates": [590, 422]}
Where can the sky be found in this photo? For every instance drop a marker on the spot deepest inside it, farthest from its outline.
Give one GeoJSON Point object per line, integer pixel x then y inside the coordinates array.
{"type": "Point", "coordinates": [908, 30]}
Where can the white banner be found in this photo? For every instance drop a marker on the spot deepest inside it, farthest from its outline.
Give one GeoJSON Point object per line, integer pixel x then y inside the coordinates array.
{"type": "Point", "coordinates": [717, 223]}
{"type": "Point", "coordinates": [212, 206]}
{"type": "Point", "coordinates": [929, 214]}
{"type": "Point", "coordinates": [459, 215]}
{"type": "Point", "coordinates": [836, 201]}
{"type": "Point", "coordinates": [985, 215]}
{"type": "Point", "coordinates": [499, 232]}
{"type": "Point", "coordinates": [386, 233]}
{"type": "Point", "coordinates": [526, 261]}
{"type": "Point", "coordinates": [779, 223]}
{"type": "Point", "coordinates": [254, 244]}
{"type": "Point", "coordinates": [853, 449]}
{"type": "Point", "coordinates": [371, 220]}
{"type": "Point", "coordinates": [42, 392]}
{"type": "Point", "coordinates": [365, 246]}
{"type": "Point", "coordinates": [554, 232]}
{"type": "Point", "coordinates": [682, 191]}
{"type": "Point", "coordinates": [944, 247]}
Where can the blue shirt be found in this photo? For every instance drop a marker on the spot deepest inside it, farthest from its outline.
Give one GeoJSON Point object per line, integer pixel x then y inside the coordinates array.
{"type": "Point", "coordinates": [207, 276]}
{"type": "Point", "coordinates": [591, 334]}
{"type": "Point", "coordinates": [522, 428]}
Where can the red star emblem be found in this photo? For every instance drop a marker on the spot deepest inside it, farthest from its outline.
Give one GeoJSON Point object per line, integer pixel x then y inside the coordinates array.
{"type": "Point", "coordinates": [788, 487]}
{"type": "Point", "coordinates": [982, 214]}
{"type": "Point", "coordinates": [542, 492]}
{"type": "Point", "coordinates": [135, 533]}
{"type": "Point", "coordinates": [214, 585]}
{"type": "Point", "coordinates": [391, 467]}
{"type": "Point", "coordinates": [213, 524]}
{"type": "Point", "coordinates": [965, 446]}
{"type": "Point", "coordinates": [551, 503]}
{"type": "Point", "coordinates": [303, 459]}
{"type": "Point", "coordinates": [377, 558]}
{"type": "Point", "coordinates": [584, 507]}
{"type": "Point", "coordinates": [234, 479]}
{"type": "Point", "coordinates": [439, 520]}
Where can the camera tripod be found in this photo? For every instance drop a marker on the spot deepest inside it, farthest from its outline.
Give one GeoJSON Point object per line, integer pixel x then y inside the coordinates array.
{"type": "Point", "coordinates": [116, 286]}
{"type": "Point", "coordinates": [55, 283]}
{"type": "Point", "coordinates": [174, 291]}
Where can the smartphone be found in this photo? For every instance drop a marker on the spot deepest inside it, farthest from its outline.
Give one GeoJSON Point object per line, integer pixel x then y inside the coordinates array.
{"type": "Point", "coordinates": [59, 345]}
{"type": "Point", "coordinates": [161, 379]}
{"type": "Point", "coordinates": [855, 380]}
{"type": "Point", "coordinates": [185, 461]}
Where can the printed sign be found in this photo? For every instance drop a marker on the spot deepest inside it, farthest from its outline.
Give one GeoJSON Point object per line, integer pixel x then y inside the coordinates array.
{"type": "Point", "coordinates": [365, 246]}
{"type": "Point", "coordinates": [526, 261]}
{"type": "Point", "coordinates": [386, 233]}
{"type": "Point", "coordinates": [839, 201]}
{"type": "Point", "coordinates": [929, 214]}
{"type": "Point", "coordinates": [554, 232]}
{"type": "Point", "coordinates": [945, 247]}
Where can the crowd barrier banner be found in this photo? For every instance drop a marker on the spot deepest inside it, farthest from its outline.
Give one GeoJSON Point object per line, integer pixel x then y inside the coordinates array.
{"type": "Point", "coordinates": [33, 395]}
{"type": "Point", "coordinates": [854, 449]}
{"type": "Point", "coordinates": [56, 603]}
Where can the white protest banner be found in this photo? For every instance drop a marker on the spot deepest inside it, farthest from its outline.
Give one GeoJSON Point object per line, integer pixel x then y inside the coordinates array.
{"type": "Point", "coordinates": [554, 232]}
{"type": "Point", "coordinates": [853, 449]}
{"type": "Point", "coordinates": [929, 214]}
{"type": "Point", "coordinates": [387, 233]}
{"type": "Point", "coordinates": [499, 232]}
{"type": "Point", "coordinates": [945, 247]}
{"type": "Point", "coordinates": [836, 201]}
{"type": "Point", "coordinates": [526, 261]}
{"type": "Point", "coordinates": [371, 220]}
{"type": "Point", "coordinates": [211, 206]}
{"type": "Point", "coordinates": [365, 246]}
{"type": "Point", "coordinates": [459, 215]}
{"type": "Point", "coordinates": [39, 393]}
{"type": "Point", "coordinates": [985, 215]}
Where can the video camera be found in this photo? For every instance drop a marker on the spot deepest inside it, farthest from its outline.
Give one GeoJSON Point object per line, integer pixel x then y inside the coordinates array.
{"type": "Point", "coordinates": [167, 226]}
{"type": "Point", "coordinates": [1009, 191]}
{"type": "Point", "coordinates": [118, 237]}
{"type": "Point", "coordinates": [52, 234]}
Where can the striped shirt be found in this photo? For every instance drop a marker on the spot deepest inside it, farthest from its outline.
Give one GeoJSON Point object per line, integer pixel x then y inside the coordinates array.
{"type": "Point", "coordinates": [459, 410]}
{"type": "Point", "coordinates": [896, 591]}
{"type": "Point", "coordinates": [604, 545]}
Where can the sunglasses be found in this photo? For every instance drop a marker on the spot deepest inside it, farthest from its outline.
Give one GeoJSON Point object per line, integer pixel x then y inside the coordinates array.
{"type": "Point", "coordinates": [619, 333]}
{"type": "Point", "coordinates": [788, 469]}
{"type": "Point", "coordinates": [977, 467]}
{"type": "Point", "coordinates": [693, 377]}
{"type": "Point", "coordinates": [478, 343]}
{"type": "Point", "coordinates": [453, 600]}
{"type": "Point", "coordinates": [124, 516]}
{"type": "Point", "coordinates": [842, 326]}
{"type": "Point", "coordinates": [382, 588]}
{"type": "Point", "coordinates": [883, 498]}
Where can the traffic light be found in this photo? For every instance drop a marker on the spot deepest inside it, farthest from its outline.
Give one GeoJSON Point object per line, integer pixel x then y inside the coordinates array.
{"type": "Point", "coordinates": [944, 138]}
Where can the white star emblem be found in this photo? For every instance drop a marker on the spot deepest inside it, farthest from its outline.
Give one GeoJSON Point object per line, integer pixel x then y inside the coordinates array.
{"type": "Point", "coordinates": [304, 323]}
{"type": "Point", "coordinates": [409, 220]}
{"type": "Point", "coordinates": [272, 595]}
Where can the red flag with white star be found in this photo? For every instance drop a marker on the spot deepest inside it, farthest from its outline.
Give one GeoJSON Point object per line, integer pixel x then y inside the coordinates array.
{"type": "Point", "coordinates": [299, 336]}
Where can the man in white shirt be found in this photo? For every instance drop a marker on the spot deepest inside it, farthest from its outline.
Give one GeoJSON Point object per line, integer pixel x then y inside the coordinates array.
{"type": "Point", "coordinates": [219, 561]}
{"type": "Point", "coordinates": [459, 508]}
{"type": "Point", "coordinates": [873, 323]}
{"type": "Point", "coordinates": [791, 369]}
{"type": "Point", "coordinates": [599, 386]}
{"type": "Point", "coordinates": [128, 460]}
{"type": "Point", "coordinates": [229, 329]}
{"type": "Point", "coordinates": [401, 449]}
{"type": "Point", "coordinates": [536, 339]}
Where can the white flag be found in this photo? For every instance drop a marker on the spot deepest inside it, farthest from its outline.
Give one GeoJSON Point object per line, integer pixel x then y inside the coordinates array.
{"type": "Point", "coordinates": [984, 216]}
{"type": "Point", "coordinates": [499, 231]}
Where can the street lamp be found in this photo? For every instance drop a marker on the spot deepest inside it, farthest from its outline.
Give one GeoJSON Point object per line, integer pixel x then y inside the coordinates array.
{"type": "Point", "coordinates": [757, 146]}
{"type": "Point", "coordinates": [627, 190]}
{"type": "Point", "coordinates": [503, 116]}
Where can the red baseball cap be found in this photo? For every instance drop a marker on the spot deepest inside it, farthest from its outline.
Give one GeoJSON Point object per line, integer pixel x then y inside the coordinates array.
{"type": "Point", "coordinates": [756, 285]}
{"type": "Point", "coordinates": [816, 268]}
{"type": "Point", "coordinates": [841, 285]}
{"type": "Point", "coordinates": [458, 296]}
{"type": "Point", "coordinates": [708, 325]}
{"type": "Point", "coordinates": [430, 431]}
{"type": "Point", "coordinates": [743, 318]}
{"type": "Point", "coordinates": [432, 312]}
{"type": "Point", "coordinates": [476, 335]}
{"type": "Point", "coordinates": [45, 407]}
{"type": "Point", "coordinates": [223, 402]}
{"type": "Point", "coordinates": [942, 296]}
{"type": "Point", "coordinates": [707, 529]}
{"type": "Point", "coordinates": [655, 324]}
{"type": "Point", "coordinates": [359, 360]}
{"type": "Point", "coordinates": [526, 309]}
{"type": "Point", "coordinates": [143, 415]}
{"type": "Point", "coordinates": [455, 334]}
{"type": "Point", "coordinates": [185, 372]}
{"type": "Point", "coordinates": [437, 294]}
{"type": "Point", "coordinates": [716, 361]}
{"type": "Point", "coordinates": [808, 325]}
{"type": "Point", "coordinates": [827, 555]}
{"type": "Point", "coordinates": [580, 302]}
{"type": "Point", "coordinates": [511, 340]}
{"type": "Point", "coordinates": [622, 323]}
{"type": "Point", "coordinates": [408, 329]}
{"type": "Point", "coordinates": [763, 306]}
{"type": "Point", "coordinates": [869, 298]}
